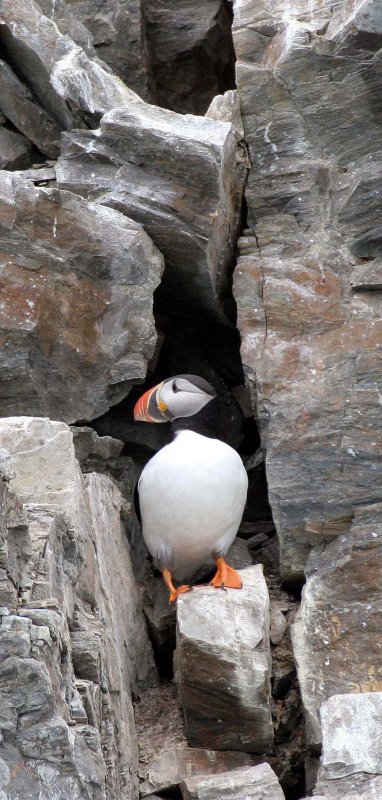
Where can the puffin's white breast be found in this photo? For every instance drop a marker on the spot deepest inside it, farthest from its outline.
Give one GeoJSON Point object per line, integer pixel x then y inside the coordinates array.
{"type": "Point", "coordinates": [192, 495]}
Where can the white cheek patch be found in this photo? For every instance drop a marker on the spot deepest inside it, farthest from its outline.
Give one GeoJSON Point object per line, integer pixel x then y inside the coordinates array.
{"type": "Point", "coordinates": [186, 401]}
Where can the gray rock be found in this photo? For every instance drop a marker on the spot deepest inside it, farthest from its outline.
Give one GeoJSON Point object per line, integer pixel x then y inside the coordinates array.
{"type": "Point", "coordinates": [61, 14]}
{"type": "Point", "coordinates": [251, 783]}
{"type": "Point", "coordinates": [341, 606]}
{"type": "Point", "coordinates": [67, 564]}
{"type": "Point", "coordinates": [79, 284]}
{"type": "Point", "coordinates": [351, 735]}
{"type": "Point", "coordinates": [191, 51]}
{"type": "Point", "coordinates": [222, 664]}
{"type": "Point", "coordinates": [310, 344]}
{"type": "Point", "coordinates": [193, 216]}
{"type": "Point", "coordinates": [72, 87]}
{"type": "Point", "coordinates": [15, 150]}
{"type": "Point", "coordinates": [118, 33]}
{"type": "Point", "coordinates": [19, 106]}
{"type": "Point", "coordinates": [7, 470]}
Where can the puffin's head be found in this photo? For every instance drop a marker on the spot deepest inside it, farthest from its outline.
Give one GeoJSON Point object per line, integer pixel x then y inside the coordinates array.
{"type": "Point", "coordinates": [180, 396]}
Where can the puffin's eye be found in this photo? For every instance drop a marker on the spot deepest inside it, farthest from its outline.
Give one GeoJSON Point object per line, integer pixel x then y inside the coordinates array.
{"type": "Point", "coordinates": [174, 387]}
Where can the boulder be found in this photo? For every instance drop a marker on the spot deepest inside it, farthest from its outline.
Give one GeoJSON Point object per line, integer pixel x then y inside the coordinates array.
{"type": "Point", "coordinates": [71, 86]}
{"type": "Point", "coordinates": [310, 343]}
{"type": "Point", "coordinates": [351, 766]}
{"type": "Point", "coordinates": [334, 639]}
{"type": "Point", "coordinates": [118, 34]}
{"type": "Point", "coordinates": [250, 783]}
{"type": "Point", "coordinates": [21, 108]}
{"type": "Point", "coordinates": [76, 318]}
{"type": "Point", "coordinates": [15, 150]}
{"type": "Point", "coordinates": [198, 172]}
{"type": "Point", "coordinates": [222, 665]}
{"type": "Point", "coordinates": [68, 716]}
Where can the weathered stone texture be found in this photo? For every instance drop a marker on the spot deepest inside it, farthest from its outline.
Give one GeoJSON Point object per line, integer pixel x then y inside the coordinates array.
{"type": "Point", "coordinates": [118, 34]}
{"type": "Point", "coordinates": [71, 86]}
{"type": "Point", "coordinates": [222, 665]}
{"type": "Point", "coordinates": [310, 343]}
{"type": "Point", "coordinates": [191, 52]}
{"type": "Point", "coordinates": [76, 642]}
{"type": "Point", "coordinates": [251, 783]}
{"type": "Point", "coordinates": [336, 638]}
{"type": "Point", "coordinates": [76, 318]}
{"type": "Point", "coordinates": [351, 765]}
{"type": "Point", "coordinates": [198, 172]}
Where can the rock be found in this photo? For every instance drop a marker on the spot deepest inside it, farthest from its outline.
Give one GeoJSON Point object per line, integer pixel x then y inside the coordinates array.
{"type": "Point", "coordinates": [310, 344]}
{"type": "Point", "coordinates": [76, 314]}
{"type": "Point", "coordinates": [334, 635]}
{"type": "Point", "coordinates": [164, 755]}
{"type": "Point", "coordinates": [161, 615]}
{"type": "Point", "coordinates": [226, 108]}
{"type": "Point", "coordinates": [259, 783]}
{"type": "Point", "coordinates": [15, 150]}
{"type": "Point", "coordinates": [118, 33]}
{"type": "Point", "coordinates": [68, 557]}
{"type": "Point", "coordinates": [72, 88]}
{"type": "Point", "coordinates": [278, 625]}
{"type": "Point", "coordinates": [60, 12]}
{"type": "Point", "coordinates": [351, 735]}
{"type": "Point", "coordinates": [193, 215]}
{"type": "Point", "coordinates": [222, 665]}
{"type": "Point", "coordinates": [7, 470]}
{"type": "Point", "coordinates": [351, 746]}
{"type": "Point", "coordinates": [191, 52]}
{"type": "Point", "coordinates": [19, 106]}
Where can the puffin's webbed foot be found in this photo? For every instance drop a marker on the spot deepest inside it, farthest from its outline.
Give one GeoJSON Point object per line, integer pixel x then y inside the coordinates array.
{"type": "Point", "coordinates": [174, 593]}
{"type": "Point", "coordinates": [226, 577]}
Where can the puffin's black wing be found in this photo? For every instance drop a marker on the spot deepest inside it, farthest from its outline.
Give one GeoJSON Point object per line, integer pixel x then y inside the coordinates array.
{"type": "Point", "coordinates": [136, 502]}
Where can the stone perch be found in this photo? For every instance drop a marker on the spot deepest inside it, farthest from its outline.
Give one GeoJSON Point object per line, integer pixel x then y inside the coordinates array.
{"type": "Point", "coordinates": [223, 663]}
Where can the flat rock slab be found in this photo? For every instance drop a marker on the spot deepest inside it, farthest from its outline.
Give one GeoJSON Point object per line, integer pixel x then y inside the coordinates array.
{"type": "Point", "coordinates": [76, 311]}
{"type": "Point", "coordinates": [352, 735]}
{"type": "Point", "coordinates": [223, 663]}
{"type": "Point", "coordinates": [250, 783]}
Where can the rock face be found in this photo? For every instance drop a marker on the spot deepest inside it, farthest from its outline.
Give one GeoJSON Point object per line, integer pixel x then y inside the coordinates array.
{"type": "Point", "coordinates": [198, 171]}
{"type": "Point", "coordinates": [335, 641]}
{"type": "Point", "coordinates": [118, 34]}
{"type": "Point", "coordinates": [72, 87]}
{"type": "Point", "coordinates": [76, 316]}
{"type": "Point", "coordinates": [77, 652]}
{"type": "Point", "coordinates": [351, 764]}
{"type": "Point", "coordinates": [253, 783]}
{"type": "Point", "coordinates": [222, 665]}
{"type": "Point", "coordinates": [310, 339]}
{"type": "Point", "coordinates": [191, 52]}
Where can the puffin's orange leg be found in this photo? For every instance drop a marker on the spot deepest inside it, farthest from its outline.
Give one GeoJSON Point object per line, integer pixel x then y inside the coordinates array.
{"type": "Point", "coordinates": [226, 576]}
{"type": "Point", "coordinates": [174, 593]}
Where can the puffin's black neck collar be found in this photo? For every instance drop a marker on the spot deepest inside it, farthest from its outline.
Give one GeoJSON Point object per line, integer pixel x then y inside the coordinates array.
{"type": "Point", "coordinates": [207, 422]}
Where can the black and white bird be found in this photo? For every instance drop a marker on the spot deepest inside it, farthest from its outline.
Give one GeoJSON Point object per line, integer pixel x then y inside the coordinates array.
{"type": "Point", "coordinates": [193, 491]}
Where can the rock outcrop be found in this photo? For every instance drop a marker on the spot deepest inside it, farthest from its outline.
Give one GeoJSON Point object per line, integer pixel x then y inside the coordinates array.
{"type": "Point", "coordinates": [78, 653]}
{"type": "Point", "coordinates": [222, 665]}
{"type": "Point", "coordinates": [310, 341]}
{"type": "Point", "coordinates": [76, 313]}
{"type": "Point", "coordinates": [334, 639]}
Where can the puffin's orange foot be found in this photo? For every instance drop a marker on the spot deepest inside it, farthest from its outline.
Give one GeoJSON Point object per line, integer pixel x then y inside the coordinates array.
{"type": "Point", "coordinates": [176, 592]}
{"type": "Point", "coordinates": [226, 577]}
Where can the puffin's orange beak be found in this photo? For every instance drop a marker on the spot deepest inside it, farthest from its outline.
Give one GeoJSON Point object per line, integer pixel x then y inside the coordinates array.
{"type": "Point", "coordinates": [149, 407]}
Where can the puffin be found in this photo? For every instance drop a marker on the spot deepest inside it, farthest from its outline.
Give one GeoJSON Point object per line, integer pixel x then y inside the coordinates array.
{"type": "Point", "coordinates": [192, 492]}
